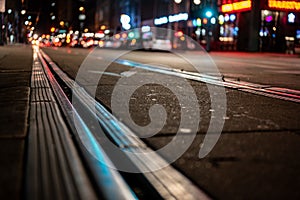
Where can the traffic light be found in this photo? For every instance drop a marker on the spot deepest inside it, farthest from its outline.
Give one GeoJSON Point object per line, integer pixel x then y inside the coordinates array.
{"type": "Point", "coordinates": [208, 14]}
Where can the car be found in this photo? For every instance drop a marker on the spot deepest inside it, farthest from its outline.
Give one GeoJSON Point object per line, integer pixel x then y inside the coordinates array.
{"type": "Point", "coordinates": [110, 43]}
{"type": "Point", "coordinates": [157, 44]}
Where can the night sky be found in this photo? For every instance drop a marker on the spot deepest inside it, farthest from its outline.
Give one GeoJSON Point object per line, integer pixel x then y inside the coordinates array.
{"type": "Point", "coordinates": [42, 7]}
{"type": "Point", "coordinates": [33, 7]}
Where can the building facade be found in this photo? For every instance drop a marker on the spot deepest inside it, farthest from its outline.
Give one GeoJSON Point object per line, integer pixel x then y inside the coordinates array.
{"type": "Point", "coordinates": [255, 25]}
{"type": "Point", "coordinates": [244, 25]}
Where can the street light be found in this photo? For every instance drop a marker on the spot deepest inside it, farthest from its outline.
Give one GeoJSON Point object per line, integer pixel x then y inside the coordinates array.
{"type": "Point", "coordinates": [52, 30]}
{"type": "Point", "coordinates": [210, 21]}
{"type": "Point", "coordinates": [81, 9]}
{"type": "Point", "coordinates": [187, 7]}
{"type": "Point", "coordinates": [177, 1]}
{"type": "Point", "coordinates": [102, 27]}
{"type": "Point", "coordinates": [197, 2]}
{"type": "Point", "coordinates": [82, 18]}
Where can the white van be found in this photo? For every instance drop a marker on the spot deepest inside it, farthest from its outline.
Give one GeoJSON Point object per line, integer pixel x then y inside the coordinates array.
{"type": "Point", "coordinates": [153, 43]}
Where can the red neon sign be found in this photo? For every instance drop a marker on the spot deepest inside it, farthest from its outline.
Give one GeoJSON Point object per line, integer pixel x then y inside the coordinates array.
{"type": "Point", "coordinates": [284, 5]}
{"type": "Point", "coordinates": [236, 7]}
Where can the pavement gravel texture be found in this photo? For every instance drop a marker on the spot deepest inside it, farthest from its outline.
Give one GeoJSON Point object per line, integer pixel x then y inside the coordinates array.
{"type": "Point", "coordinates": [15, 73]}
{"type": "Point", "coordinates": [256, 156]}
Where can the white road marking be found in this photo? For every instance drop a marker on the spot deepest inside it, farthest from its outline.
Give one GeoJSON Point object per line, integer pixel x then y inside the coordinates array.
{"type": "Point", "coordinates": [104, 73]}
{"type": "Point", "coordinates": [128, 73]}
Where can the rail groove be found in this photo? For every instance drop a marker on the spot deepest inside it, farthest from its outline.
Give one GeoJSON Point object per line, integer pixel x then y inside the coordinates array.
{"type": "Point", "coordinates": [167, 182]}
{"type": "Point", "coordinates": [55, 169]}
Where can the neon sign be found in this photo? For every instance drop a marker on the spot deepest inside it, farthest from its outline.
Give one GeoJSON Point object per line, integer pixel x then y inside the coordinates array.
{"type": "Point", "coordinates": [160, 21]}
{"type": "Point", "coordinates": [171, 18]}
{"type": "Point", "coordinates": [284, 5]}
{"type": "Point", "coordinates": [269, 18]}
{"type": "Point", "coordinates": [178, 17]}
{"type": "Point", "coordinates": [236, 7]}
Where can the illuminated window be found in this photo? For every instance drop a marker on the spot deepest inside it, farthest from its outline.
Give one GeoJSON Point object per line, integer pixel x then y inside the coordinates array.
{"type": "Point", "coordinates": [232, 17]}
{"type": "Point", "coordinates": [291, 18]}
{"type": "Point", "coordinates": [269, 18]}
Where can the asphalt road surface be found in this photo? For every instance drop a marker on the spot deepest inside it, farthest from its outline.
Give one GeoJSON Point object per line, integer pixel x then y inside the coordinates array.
{"type": "Point", "coordinates": [256, 156]}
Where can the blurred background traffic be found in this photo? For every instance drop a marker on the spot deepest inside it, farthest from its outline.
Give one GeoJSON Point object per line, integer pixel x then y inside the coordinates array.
{"type": "Point", "coordinates": [222, 25]}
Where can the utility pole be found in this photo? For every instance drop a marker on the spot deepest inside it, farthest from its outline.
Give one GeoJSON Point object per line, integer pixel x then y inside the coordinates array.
{"type": "Point", "coordinates": [2, 10]}
{"type": "Point", "coordinates": [210, 14]}
{"type": "Point", "coordinates": [1, 29]}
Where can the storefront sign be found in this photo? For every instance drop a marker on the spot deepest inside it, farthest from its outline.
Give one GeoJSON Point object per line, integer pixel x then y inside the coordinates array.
{"type": "Point", "coordinates": [284, 5]}
{"type": "Point", "coordinates": [178, 17]}
{"type": "Point", "coordinates": [171, 18]}
{"type": "Point", "coordinates": [236, 7]}
{"type": "Point", "coordinates": [160, 21]}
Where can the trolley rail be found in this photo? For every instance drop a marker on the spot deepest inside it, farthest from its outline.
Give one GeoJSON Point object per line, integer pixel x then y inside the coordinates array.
{"type": "Point", "coordinates": [69, 152]}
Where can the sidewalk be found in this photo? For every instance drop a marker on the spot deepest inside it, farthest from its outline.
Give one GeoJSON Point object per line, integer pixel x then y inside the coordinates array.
{"type": "Point", "coordinates": [15, 74]}
{"type": "Point", "coordinates": [254, 54]}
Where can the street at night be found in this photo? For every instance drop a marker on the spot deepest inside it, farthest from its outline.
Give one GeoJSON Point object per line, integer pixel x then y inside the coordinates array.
{"type": "Point", "coordinates": [154, 99]}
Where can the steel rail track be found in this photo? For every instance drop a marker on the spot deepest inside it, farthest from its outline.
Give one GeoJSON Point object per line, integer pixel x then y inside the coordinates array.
{"type": "Point", "coordinates": [166, 183]}
{"type": "Point", "coordinates": [55, 169]}
{"type": "Point", "coordinates": [259, 89]}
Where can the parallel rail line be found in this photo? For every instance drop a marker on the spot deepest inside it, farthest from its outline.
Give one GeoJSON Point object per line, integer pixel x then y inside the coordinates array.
{"type": "Point", "coordinates": [93, 181]}
{"type": "Point", "coordinates": [55, 169]}
{"type": "Point", "coordinates": [259, 89]}
{"type": "Point", "coordinates": [104, 183]}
